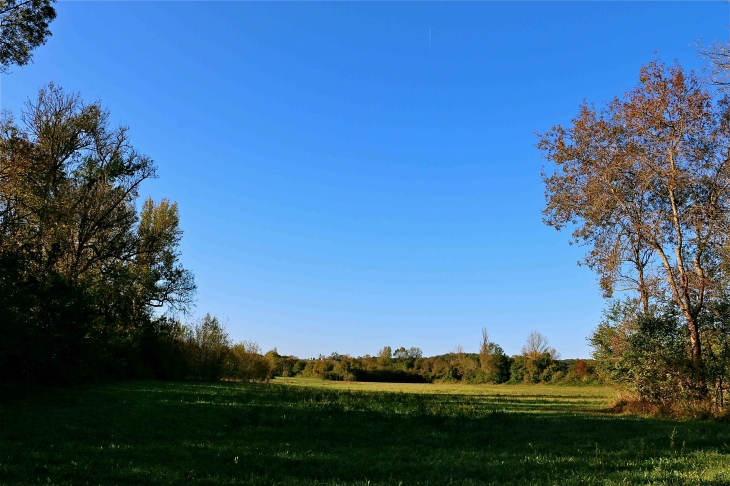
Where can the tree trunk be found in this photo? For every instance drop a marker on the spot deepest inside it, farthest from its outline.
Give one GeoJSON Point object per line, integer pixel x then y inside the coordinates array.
{"type": "Point", "coordinates": [697, 362]}
{"type": "Point", "coordinates": [643, 291]}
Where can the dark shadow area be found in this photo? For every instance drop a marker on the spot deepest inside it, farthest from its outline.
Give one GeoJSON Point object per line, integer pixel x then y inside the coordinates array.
{"type": "Point", "coordinates": [389, 376]}
{"type": "Point", "coordinates": [168, 433]}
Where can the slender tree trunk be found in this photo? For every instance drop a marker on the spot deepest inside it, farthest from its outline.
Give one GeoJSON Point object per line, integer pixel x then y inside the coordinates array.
{"type": "Point", "coordinates": [643, 290]}
{"type": "Point", "coordinates": [645, 301]}
{"type": "Point", "coordinates": [682, 298]}
{"type": "Point", "coordinates": [697, 361]}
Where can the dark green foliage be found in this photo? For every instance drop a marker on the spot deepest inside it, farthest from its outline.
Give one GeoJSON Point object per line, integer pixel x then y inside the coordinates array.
{"type": "Point", "coordinates": [497, 366]}
{"type": "Point", "coordinates": [535, 369]}
{"type": "Point", "coordinates": [447, 368]}
{"type": "Point", "coordinates": [202, 351]}
{"type": "Point", "coordinates": [494, 364]}
{"type": "Point", "coordinates": [208, 348]}
{"type": "Point", "coordinates": [496, 370]}
{"type": "Point", "coordinates": [716, 335]}
{"type": "Point", "coordinates": [81, 272]}
{"type": "Point", "coordinates": [219, 434]}
{"type": "Point", "coordinates": [47, 327]}
{"type": "Point", "coordinates": [23, 27]}
{"type": "Point", "coordinates": [579, 372]}
{"type": "Point", "coordinates": [650, 353]}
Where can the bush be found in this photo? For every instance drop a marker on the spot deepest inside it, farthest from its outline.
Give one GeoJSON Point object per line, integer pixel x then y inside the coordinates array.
{"type": "Point", "coordinates": [646, 354]}
{"type": "Point", "coordinates": [477, 377]}
{"type": "Point", "coordinates": [247, 364]}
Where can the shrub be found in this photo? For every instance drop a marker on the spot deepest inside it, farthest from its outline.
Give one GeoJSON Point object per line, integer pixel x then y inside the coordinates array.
{"type": "Point", "coordinates": [247, 364]}
{"type": "Point", "coordinates": [646, 353]}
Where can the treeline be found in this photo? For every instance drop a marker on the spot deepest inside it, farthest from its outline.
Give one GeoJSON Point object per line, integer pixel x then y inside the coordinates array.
{"type": "Point", "coordinates": [538, 363]}
{"type": "Point", "coordinates": [203, 350]}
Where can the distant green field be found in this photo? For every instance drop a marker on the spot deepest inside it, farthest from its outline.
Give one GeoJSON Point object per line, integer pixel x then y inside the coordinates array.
{"type": "Point", "coordinates": [309, 432]}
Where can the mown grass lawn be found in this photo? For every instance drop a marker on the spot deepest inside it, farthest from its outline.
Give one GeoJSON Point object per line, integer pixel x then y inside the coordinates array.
{"type": "Point", "coordinates": [312, 432]}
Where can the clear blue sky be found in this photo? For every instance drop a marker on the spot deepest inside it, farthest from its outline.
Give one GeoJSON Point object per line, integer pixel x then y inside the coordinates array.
{"type": "Point", "coordinates": [353, 175]}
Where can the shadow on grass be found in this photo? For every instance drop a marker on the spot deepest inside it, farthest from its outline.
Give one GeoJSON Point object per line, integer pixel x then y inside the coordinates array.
{"type": "Point", "coordinates": [172, 433]}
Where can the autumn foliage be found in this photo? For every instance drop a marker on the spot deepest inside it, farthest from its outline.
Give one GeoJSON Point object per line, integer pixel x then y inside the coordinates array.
{"type": "Point", "coordinates": [644, 184]}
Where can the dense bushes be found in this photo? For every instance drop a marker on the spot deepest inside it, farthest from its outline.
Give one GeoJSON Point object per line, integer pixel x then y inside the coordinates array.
{"type": "Point", "coordinates": [246, 363]}
{"type": "Point", "coordinates": [649, 354]}
{"type": "Point", "coordinates": [202, 350]}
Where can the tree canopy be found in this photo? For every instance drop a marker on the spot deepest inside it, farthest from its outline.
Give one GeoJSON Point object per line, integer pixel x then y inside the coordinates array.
{"type": "Point", "coordinates": [23, 27]}
{"type": "Point", "coordinates": [80, 268]}
{"type": "Point", "coordinates": [645, 184]}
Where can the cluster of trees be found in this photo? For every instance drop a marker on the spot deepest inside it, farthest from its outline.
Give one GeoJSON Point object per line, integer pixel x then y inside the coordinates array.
{"type": "Point", "coordinates": [538, 363]}
{"type": "Point", "coordinates": [202, 350]}
{"type": "Point", "coordinates": [83, 272]}
{"type": "Point", "coordinates": [644, 182]}
{"type": "Point", "coordinates": [90, 277]}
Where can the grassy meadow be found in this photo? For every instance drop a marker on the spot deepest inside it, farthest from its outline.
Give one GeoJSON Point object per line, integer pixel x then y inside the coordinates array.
{"type": "Point", "coordinates": [311, 432]}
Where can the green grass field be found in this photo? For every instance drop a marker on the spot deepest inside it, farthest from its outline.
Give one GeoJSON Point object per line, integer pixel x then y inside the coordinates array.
{"type": "Point", "coordinates": [297, 431]}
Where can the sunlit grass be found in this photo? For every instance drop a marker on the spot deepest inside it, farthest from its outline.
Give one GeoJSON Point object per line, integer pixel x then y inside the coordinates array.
{"type": "Point", "coordinates": [326, 433]}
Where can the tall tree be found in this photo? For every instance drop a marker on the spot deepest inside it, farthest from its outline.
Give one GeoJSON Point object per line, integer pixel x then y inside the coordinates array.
{"type": "Point", "coordinates": [486, 349]}
{"type": "Point", "coordinates": [492, 360]}
{"type": "Point", "coordinates": [23, 27]}
{"type": "Point", "coordinates": [645, 183]}
{"type": "Point", "coordinates": [536, 345]}
{"type": "Point", "coordinates": [78, 265]}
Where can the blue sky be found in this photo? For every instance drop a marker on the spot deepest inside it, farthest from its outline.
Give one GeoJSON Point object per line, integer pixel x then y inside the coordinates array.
{"type": "Point", "coordinates": [354, 175]}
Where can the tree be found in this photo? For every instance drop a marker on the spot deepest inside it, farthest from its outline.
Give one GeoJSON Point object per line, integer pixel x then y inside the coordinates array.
{"type": "Point", "coordinates": [400, 353]}
{"type": "Point", "coordinates": [581, 369]}
{"type": "Point", "coordinates": [23, 27]}
{"type": "Point", "coordinates": [718, 59]}
{"type": "Point", "coordinates": [84, 274]}
{"type": "Point", "coordinates": [537, 345]}
{"type": "Point", "coordinates": [485, 348]}
{"type": "Point", "coordinates": [247, 363]}
{"type": "Point", "coordinates": [385, 356]}
{"type": "Point", "coordinates": [68, 187]}
{"type": "Point", "coordinates": [537, 362]}
{"type": "Point", "coordinates": [210, 345]}
{"type": "Point", "coordinates": [645, 183]}
{"type": "Point", "coordinates": [162, 280]}
{"type": "Point", "coordinates": [493, 363]}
